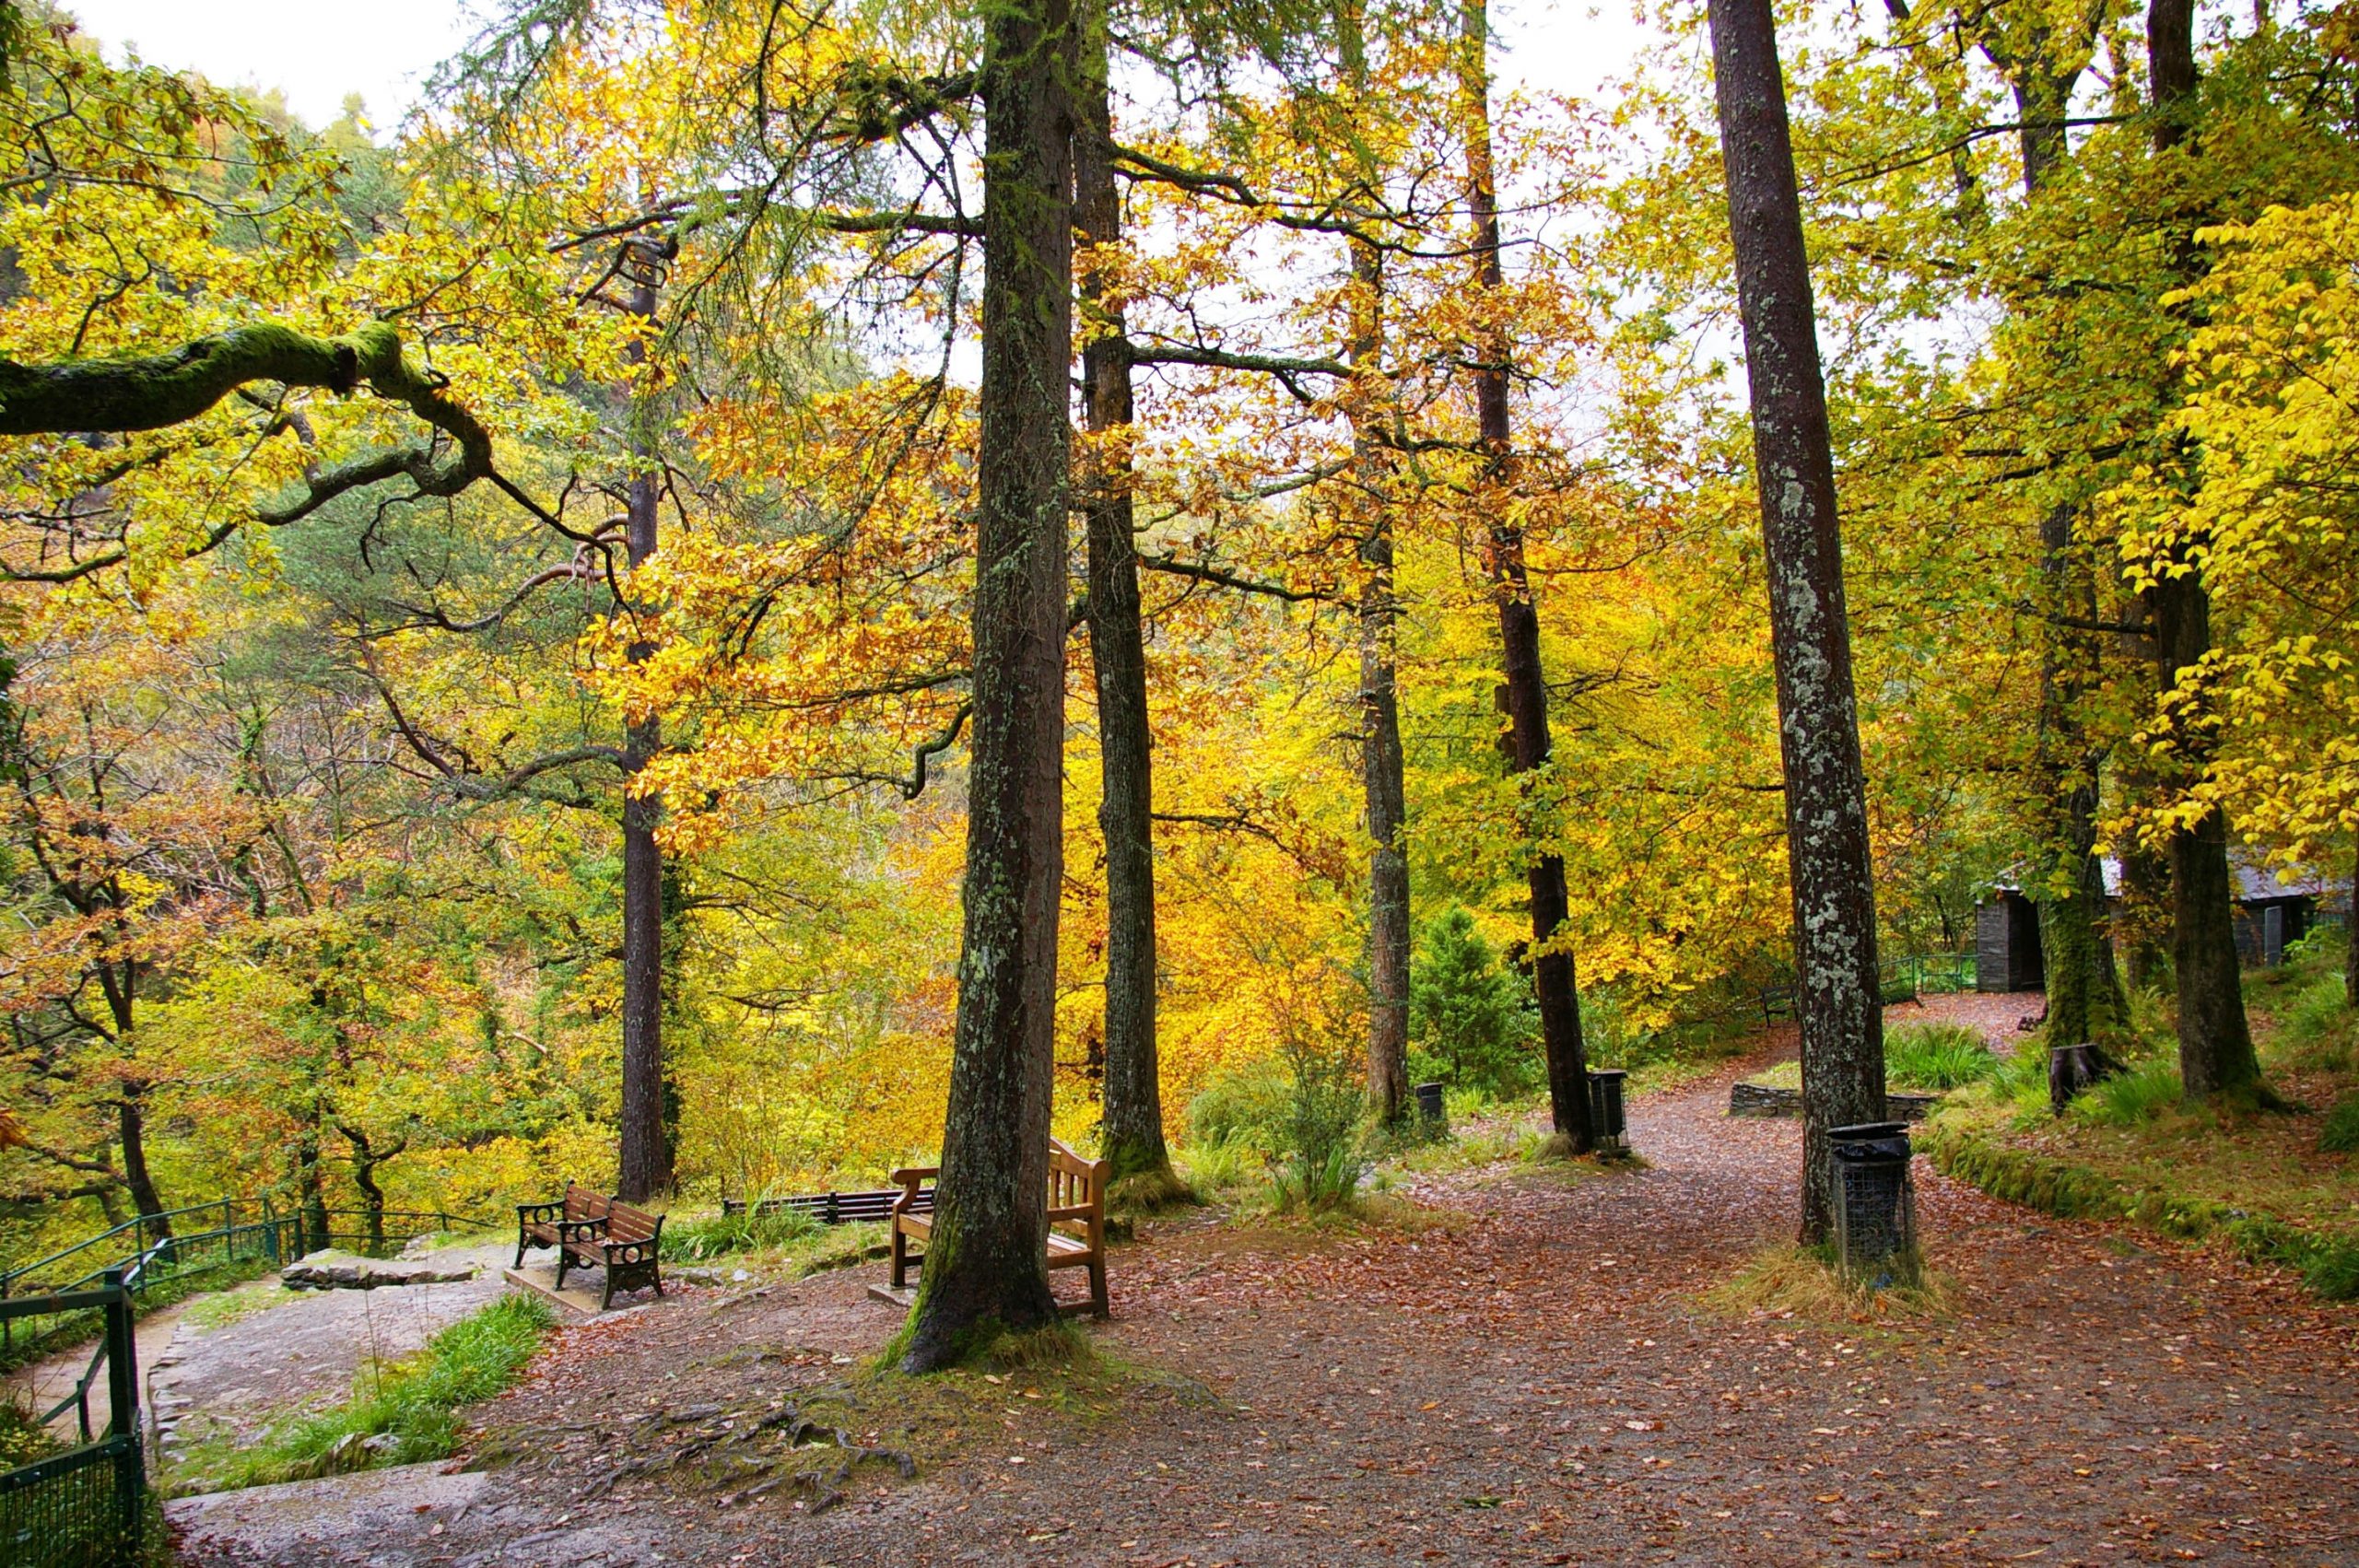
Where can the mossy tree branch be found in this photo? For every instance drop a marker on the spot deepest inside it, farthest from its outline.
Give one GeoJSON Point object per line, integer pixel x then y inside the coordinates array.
{"type": "Point", "coordinates": [154, 391]}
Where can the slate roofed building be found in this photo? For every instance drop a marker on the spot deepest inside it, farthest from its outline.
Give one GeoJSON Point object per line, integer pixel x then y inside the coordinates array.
{"type": "Point", "coordinates": [2271, 915]}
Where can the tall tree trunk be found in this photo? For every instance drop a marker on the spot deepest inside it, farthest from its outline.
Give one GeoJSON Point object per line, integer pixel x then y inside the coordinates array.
{"type": "Point", "coordinates": [1133, 1086]}
{"type": "Point", "coordinates": [1526, 682]}
{"type": "Point", "coordinates": [2216, 1049]}
{"type": "Point", "coordinates": [644, 1168]}
{"type": "Point", "coordinates": [310, 1190]}
{"type": "Point", "coordinates": [131, 1126]}
{"type": "Point", "coordinates": [985, 1269]}
{"type": "Point", "coordinates": [1838, 999]}
{"type": "Point", "coordinates": [366, 1159]}
{"type": "Point", "coordinates": [2084, 997]}
{"type": "Point", "coordinates": [2084, 1000]}
{"type": "Point", "coordinates": [2350, 934]}
{"type": "Point", "coordinates": [1382, 763]}
{"type": "Point", "coordinates": [119, 984]}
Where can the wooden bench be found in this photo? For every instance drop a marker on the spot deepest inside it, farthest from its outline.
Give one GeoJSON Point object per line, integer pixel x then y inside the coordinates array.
{"type": "Point", "coordinates": [832, 1208]}
{"type": "Point", "coordinates": [590, 1230]}
{"type": "Point", "coordinates": [1077, 1218]}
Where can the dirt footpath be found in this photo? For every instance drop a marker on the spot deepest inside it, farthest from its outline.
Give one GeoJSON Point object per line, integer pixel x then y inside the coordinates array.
{"type": "Point", "coordinates": [1537, 1383]}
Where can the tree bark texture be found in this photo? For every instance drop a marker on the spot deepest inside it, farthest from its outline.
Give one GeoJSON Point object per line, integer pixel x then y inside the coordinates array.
{"type": "Point", "coordinates": [1838, 999]}
{"type": "Point", "coordinates": [1382, 761]}
{"type": "Point", "coordinates": [985, 1270]}
{"type": "Point", "coordinates": [644, 1168]}
{"type": "Point", "coordinates": [1133, 1102]}
{"type": "Point", "coordinates": [1526, 683]}
{"type": "Point", "coordinates": [2084, 996]}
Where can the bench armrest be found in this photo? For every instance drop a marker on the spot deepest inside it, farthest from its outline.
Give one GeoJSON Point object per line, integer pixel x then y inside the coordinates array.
{"type": "Point", "coordinates": [529, 1214]}
{"type": "Point", "coordinates": [908, 1178]}
{"type": "Point", "coordinates": [582, 1230]}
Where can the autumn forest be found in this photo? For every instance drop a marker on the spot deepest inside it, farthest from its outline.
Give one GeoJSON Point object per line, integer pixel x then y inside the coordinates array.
{"type": "Point", "coordinates": [756, 593]}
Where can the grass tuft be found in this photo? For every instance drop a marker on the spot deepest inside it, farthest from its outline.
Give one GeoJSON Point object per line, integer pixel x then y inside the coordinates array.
{"type": "Point", "coordinates": [2341, 1133]}
{"type": "Point", "coordinates": [1150, 1192]}
{"type": "Point", "coordinates": [407, 1413]}
{"type": "Point", "coordinates": [2143, 1094]}
{"type": "Point", "coordinates": [1799, 1281]}
{"type": "Point", "coordinates": [718, 1236]}
{"type": "Point", "coordinates": [1937, 1057]}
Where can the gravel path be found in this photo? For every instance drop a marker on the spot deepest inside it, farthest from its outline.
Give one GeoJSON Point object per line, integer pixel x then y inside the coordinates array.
{"type": "Point", "coordinates": [1535, 1384]}
{"type": "Point", "coordinates": [303, 1351]}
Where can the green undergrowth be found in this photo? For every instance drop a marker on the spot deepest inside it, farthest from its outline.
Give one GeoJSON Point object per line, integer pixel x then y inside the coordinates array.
{"type": "Point", "coordinates": [2281, 1189]}
{"type": "Point", "coordinates": [1924, 1059]}
{"type": "Point", "coordinates": [1147, 1193]}
{"type": "Point", "coordinates": [23, 1439]}
{"type": "Point", "coordinates": [1802, 1283]}
{"type": "Point", "coordinates": [789, 1244]}
{"type": "Point", "coordinates": [400, 1412]}
{"type": "Point", "coordinates": [2340, 1134]}
{"type": "Point", "coordinates": [696, 1237]}
{"type": "Point", "coordinates": [2327, 1259]}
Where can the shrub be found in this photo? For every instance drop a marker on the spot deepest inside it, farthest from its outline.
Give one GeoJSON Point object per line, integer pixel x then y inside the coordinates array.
{"type": "Point", "coordinates": [23, 1439]}
{"type": "Point", "coordinates": [1325, 1102]}
{"type": "Point", "coordinates": [1469, 1017]}
{"type": "Point", "coordinates": [1936, 1056]}
{"type": "Point", "coordinates": [711, 1235]}
{"type": "Point", "coordinates": [1217, 1167]}
{"type": "Point", "coordinates": [2138, 1094]}
{"type": "Point", "coordinates": [2341, 1133]}
{"type": "Point", "coordinates": [2316, 1023]}
{"type": "Point", "coordinates": [1243, 1105]}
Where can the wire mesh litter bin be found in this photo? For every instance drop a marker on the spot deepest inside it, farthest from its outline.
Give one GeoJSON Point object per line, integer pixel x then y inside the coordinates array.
{"type": "Point", "coordinates": [1606, 1115]}
{"type": "Point", "coordinates": [1875, 1200]}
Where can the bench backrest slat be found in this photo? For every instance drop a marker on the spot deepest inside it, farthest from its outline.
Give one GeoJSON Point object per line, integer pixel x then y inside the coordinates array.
{"type": "Point", "coordinates": [626, 1224]}
{"type": "Point", "coordinates": [1076, 1183]}
{"type": "Point", "coordinates": [583, 1203]}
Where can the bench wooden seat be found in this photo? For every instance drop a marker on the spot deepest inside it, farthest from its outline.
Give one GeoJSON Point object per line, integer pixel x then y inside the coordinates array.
{"type": "Point", "coordinates": [580, 1211]}
{"type": "Point", "coordinates": [833, 1208]}
{"type": "Point", "coordinates": [1077, 1218]}
{"type": "Point", "coordinates": [590, 1230]}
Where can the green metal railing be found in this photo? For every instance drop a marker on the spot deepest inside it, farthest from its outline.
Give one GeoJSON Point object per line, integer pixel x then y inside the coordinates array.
{"type": "Point", "coordinates": [153, 1250]}
{"type": "Point", "coordinates": [83, 1508]}
{"type": "Point", "coordinates": [1901, 980]}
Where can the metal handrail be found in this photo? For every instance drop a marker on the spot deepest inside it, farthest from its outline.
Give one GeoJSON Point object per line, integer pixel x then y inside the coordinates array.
{"type": "Point", "coordinates": [220, 1205]}
{"type": "Point", "coordinates": [224, 1208]}
{"type": "Point", "coordinates": [272, 1236]}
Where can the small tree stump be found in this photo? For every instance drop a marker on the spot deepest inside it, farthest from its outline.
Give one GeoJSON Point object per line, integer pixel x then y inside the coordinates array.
{"type": "Point", "coordinates": [2071, 1069]}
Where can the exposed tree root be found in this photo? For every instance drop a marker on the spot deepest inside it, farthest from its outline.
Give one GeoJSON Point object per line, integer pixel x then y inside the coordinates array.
{"type": "Point", "coordinates": [753, 1451]}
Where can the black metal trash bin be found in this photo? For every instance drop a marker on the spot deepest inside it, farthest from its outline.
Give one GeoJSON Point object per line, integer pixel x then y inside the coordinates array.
{"type": "Point", "coordinates": [1875, 1200]}
{"type": "Point", "coordinates": [1605, 1114]}
{"type": "Point", "coordinates": [1429, 1109]}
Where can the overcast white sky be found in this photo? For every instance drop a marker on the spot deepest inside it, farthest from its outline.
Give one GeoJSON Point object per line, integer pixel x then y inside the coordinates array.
{"type": "Point", "coordinates": [317, 50]}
